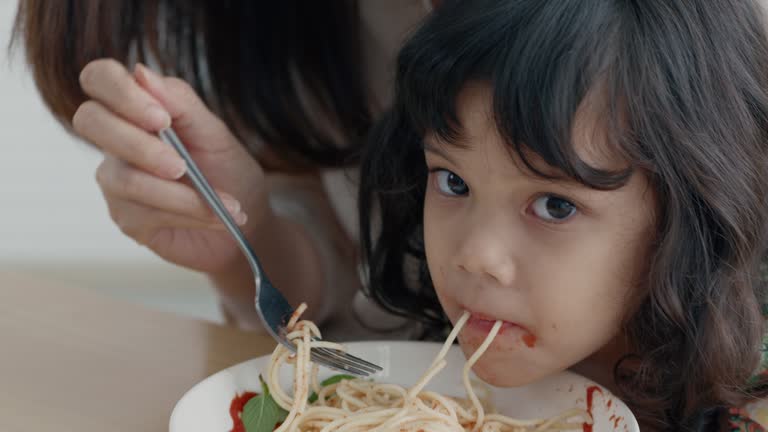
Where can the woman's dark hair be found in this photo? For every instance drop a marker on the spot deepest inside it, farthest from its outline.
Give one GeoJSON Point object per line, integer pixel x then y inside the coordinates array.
{"type": "Point", "coordinates": [683, 87]}
{"type": "Point", "coordinates": [260, 64]}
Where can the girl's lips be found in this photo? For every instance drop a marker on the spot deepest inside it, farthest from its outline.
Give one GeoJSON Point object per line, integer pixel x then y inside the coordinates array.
{"type": "Point", "coordinates": [482, 323]}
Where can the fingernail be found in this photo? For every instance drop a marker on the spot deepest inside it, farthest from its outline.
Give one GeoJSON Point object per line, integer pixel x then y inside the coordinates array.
{"type": "Point", "coordinates": [232, 205]}
{"type": "Point", "coordinates": [152, 78]}
{"type": "Point", "coordinates": [176, 168]}
{"type": "Point", "coordinates": [241, 218]}
{"type": "Point", "coordinates": [157, 117]}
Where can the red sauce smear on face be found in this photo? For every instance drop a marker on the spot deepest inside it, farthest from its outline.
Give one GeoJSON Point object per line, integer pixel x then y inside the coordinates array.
{"type": "Point", "coordinates": [236, 410]}
{"type": "Point", "coordinates": [529, 339]}
{"type": "Point", "coordinates": [590, 395]}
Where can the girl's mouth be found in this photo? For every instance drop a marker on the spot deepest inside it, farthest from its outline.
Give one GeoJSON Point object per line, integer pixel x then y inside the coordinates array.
{"type": "Point", "coordinates": [480, 325]}
{"type": "Point", "coordinates": [483, 323]}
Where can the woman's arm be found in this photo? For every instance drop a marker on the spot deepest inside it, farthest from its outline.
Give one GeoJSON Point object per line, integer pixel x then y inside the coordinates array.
{"type": "Point", "coordinates": [293, 247]}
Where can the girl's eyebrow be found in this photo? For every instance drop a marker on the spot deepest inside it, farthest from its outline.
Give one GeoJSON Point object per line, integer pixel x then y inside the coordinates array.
{"type": "Point", "coordinates": [552, 175]}
{"type": "Point", "coordinates": [438, 151]}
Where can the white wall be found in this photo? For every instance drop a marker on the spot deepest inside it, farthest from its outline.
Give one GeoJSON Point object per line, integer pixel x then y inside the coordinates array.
{"type": "Point", "coordinates": [53, 221]}
{"type": "Point", "coordinates": [50, 206]}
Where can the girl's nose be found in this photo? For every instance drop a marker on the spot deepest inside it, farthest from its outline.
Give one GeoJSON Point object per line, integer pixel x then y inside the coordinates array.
{"type": "Point", "coordinates": [488, 253]}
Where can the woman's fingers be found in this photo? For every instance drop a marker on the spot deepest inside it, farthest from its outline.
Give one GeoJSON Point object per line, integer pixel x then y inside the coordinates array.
{"type": "Point", "coordinates": [109, 82]}
{"type": "Point", "coordinates": [195, 124]}
{"type": "Point", "coordinates": [139, 174]}
{"type": "Point", "coordinates": [142, 223]}
{"type": "Point", "coordinates": [116, 136]}
{"type": "Point", "coordinates": [121, 182]}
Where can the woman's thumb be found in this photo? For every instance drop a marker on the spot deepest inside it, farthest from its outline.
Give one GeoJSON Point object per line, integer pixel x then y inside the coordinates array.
{"type": "Point", "coordinates": [191, 118]}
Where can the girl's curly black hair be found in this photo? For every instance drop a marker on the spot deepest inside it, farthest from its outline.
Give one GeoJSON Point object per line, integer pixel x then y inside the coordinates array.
{"type": "Point", "coordinates": [684, 86]}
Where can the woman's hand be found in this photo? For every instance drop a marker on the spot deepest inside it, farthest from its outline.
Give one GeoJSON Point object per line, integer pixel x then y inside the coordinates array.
{"type": "Point", "coordinates": [141, 177]}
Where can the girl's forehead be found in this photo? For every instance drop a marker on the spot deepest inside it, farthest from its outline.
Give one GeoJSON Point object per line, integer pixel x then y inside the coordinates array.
{"type": "Point", "coordinates": [590, 139]}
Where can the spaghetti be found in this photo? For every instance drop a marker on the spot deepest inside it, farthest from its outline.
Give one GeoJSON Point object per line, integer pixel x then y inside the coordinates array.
{"type": "Point", "coordinates": [362, 405]}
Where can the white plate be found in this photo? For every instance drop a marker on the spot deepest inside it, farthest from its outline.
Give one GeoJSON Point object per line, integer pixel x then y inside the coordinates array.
{"type": "Point", "coordinates": [205, 407]}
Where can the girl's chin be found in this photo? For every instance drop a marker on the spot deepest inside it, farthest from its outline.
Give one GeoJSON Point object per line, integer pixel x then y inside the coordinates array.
{"type": "Point", "coordinates": [504, 377]}
{"type": "Point", "coordinates": [503, 370]}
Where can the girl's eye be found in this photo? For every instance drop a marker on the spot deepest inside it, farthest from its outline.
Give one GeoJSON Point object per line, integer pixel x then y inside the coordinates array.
{"type": "Point", "coordinates": [450, 184]}
{"type": "Point", "coordinates": [553, 209]}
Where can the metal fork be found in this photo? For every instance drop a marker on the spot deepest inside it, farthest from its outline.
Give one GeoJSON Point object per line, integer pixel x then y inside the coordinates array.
{"type": "Point", "coordinates": [272, 307]}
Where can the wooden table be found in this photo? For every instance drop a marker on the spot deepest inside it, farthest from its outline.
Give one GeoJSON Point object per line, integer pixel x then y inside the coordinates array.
{"type": "Point", "coordinates": [73, 360]}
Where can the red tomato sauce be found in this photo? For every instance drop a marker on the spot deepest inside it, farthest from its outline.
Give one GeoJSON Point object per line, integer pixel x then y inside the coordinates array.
{"type": "Point", "coordinates": [590, 399]}
{"type": "Point", "coordinates": [529, 339]}
{"type": "Point", "coordinates": [236, 410]}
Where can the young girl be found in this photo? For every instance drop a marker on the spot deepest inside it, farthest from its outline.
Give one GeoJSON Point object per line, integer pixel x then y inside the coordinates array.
{"type": "Point", "coordinates": [594, 174]}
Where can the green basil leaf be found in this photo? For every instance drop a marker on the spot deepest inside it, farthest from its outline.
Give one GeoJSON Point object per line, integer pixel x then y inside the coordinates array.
{"type": "Point", "coordinates": [328, 381]}
{"type": "Point", "coordinates": [336, 378]}
{"type": "Point", "coordinates": [262, 413]}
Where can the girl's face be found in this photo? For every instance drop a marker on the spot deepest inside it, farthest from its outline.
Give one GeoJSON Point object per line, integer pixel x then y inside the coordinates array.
{"type": "Point", "coordinates": [555, 260]}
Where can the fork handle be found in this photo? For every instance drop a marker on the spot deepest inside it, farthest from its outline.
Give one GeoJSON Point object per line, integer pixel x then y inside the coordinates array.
{"type": "Point", "coordinates": [212, 198]}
